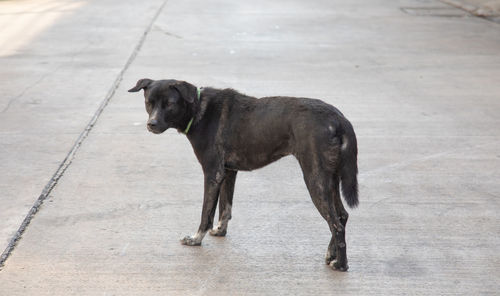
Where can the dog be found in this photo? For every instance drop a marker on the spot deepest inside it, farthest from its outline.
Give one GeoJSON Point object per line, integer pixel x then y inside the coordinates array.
{"type": "Point", "coordinates": [230, 131]}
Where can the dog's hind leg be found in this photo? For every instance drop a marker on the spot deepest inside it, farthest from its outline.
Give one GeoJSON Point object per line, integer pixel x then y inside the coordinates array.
{"type": "Point", "coordinates": [339, 262]}
{"type": "Point", "coordinates": [339, 206]}
{"type": "Point", "coordinates": [331, 254]}
{"type": "Point", "coordinates": [225, 203]}
{"type": "Point", "coordinates": [323, 190]}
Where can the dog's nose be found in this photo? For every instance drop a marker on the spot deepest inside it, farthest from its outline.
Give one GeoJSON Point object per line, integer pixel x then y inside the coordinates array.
{"type": "Point", "coordinates": [152, 123]}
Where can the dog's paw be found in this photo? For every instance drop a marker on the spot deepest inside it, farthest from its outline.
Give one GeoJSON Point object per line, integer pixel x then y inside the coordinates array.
{"type": "Point", "coordinates": [190, 241]}
{"type": "Point", "coordinates": [217, 231]}
{"type": "Point", "coordinates": [340, 266]}
{"type": "Point", "coordinates": [329, 258]}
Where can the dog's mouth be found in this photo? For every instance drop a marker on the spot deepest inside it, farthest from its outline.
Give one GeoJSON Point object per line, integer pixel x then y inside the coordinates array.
{"type": "Point", "coordinates": [156, 130]}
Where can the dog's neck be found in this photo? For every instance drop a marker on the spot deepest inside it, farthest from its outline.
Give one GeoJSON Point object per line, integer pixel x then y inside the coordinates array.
{"type": "Point", "coordinates": [202, 101]}
{"type": "Point", "coordinates": [198, 101]}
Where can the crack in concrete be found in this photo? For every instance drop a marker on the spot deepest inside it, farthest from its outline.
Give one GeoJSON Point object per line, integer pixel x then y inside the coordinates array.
{"type": "Point", "coordinates": [402, 164]}
{"type": "Point", "coordinates": [43, 77]}
{"type": "Point", "coordinates": [473, 10]}
{"type": "Point", "coordinates": [26, 89]}
{"type": "Point", "coordinates": [71, 154]}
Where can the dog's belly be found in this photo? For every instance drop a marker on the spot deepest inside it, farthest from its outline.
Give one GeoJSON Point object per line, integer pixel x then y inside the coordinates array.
{"type": "Point", "coordinates": [245, 163]}
{"type": "Point", "coordinates": [253, 157]}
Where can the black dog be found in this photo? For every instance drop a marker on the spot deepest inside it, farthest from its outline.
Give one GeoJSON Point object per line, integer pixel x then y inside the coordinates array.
{"type": "Point", "coordinates": [230, 131]}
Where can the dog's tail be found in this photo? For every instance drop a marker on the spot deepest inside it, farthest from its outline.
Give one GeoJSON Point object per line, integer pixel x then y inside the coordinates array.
{"type": "Point", "coordinates": [349, 165]}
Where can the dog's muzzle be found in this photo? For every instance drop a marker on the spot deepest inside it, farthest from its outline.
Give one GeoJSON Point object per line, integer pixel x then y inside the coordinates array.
{"type": "Point", "coordinates": [155, 127]}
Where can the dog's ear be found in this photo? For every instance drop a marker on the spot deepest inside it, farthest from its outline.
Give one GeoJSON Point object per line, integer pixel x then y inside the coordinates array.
{"type": "Point", "coordinates": [141, 84]}
{"type": "Point", "coordinates": [187, 91]}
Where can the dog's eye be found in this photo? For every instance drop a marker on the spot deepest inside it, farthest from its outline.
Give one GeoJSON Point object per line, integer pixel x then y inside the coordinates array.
{"type": "Point", "coordinates": [171, 102]}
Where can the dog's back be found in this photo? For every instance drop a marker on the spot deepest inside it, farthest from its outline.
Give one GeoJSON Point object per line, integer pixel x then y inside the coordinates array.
{"type": "Point", "coordinates": [256, 132]}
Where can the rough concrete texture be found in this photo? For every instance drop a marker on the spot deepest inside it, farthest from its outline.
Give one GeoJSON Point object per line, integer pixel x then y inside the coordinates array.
{"type": "Point", "coordinates": [483, 8]}
{"type": "Point", "coordinates": [420, 89]}
{"type": "Point", "coordinates": [58, 60]}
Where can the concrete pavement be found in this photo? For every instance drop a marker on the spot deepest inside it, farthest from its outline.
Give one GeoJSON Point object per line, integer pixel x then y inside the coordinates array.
{"type": "Point", "coordinates": [420, 89]}
{"type": "Point", "coordinates": [59, 61]}
{"type": "Point", "coordinates": [489, 9]}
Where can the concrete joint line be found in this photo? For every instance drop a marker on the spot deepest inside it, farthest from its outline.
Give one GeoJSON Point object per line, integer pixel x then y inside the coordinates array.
{"type": "Point", "coordinates": [472, 10]}
{"type": "Point", "coordinates": [71, 154]}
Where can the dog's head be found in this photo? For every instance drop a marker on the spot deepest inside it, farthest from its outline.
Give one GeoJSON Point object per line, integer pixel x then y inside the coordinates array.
{"type": "Point", "coordinates": [169, 103]}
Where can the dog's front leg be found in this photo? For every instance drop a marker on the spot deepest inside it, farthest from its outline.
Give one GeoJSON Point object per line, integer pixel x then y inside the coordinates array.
{"type": "Point", "coordinates": [225, 203]}
{"type": "Point", "coordinates": [211, 194]}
